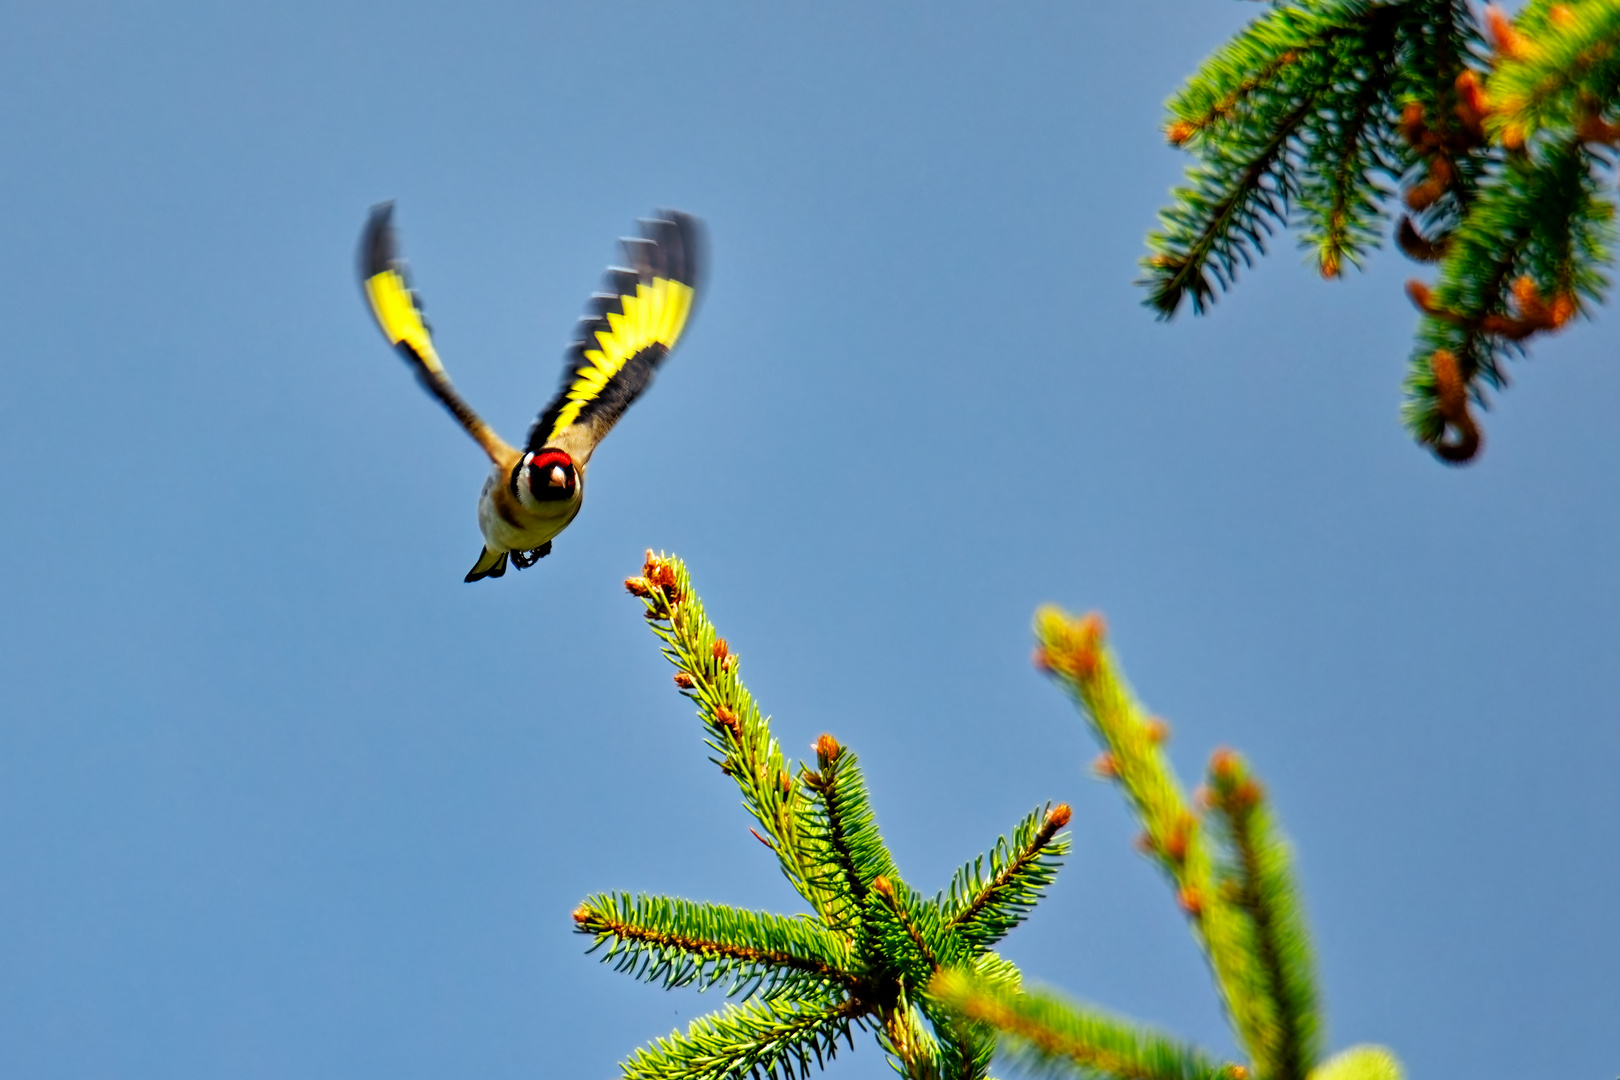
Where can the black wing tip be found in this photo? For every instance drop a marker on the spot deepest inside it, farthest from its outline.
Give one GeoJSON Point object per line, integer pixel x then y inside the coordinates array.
{"type": "Point", "coordinates": [679, 238]}
{"type": "Point", "coordinates": [378, 248]}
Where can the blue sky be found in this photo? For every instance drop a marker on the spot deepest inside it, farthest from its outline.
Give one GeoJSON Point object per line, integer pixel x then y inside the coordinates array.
{"type": "Point", "coordinates": [280, 796]}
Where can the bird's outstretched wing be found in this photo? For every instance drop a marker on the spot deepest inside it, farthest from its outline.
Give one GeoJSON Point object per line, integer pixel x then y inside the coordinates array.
{"type": "Point", "coordinates": [626, 332]}
{"type": "Point", "coordinates": [399, 315]}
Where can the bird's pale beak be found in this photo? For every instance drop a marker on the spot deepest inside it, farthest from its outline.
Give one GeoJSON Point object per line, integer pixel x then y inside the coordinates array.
{"type": "Point", "coordinates": [557, 478]}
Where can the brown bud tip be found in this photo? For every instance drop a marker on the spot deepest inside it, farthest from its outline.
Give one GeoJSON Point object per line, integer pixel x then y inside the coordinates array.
{"type": "Point", "coordinates": [1093, 631]}
{"type": "Point", "coordinates": [1414, 129]}
{"type": "Point", "coordinates": [1420, 295]}
{"type": "Point", "coordinates": [728, 720]}
{"type": "Point", "coordinates": [1509, 42]}
{"type": "Point", "coordinates": [1175, 845]}
{"type": "Point", "coordinates": [1104, 767]}
{"type": "Point", "coordinates": [1563, 309]}
{"type": "Point", "coordinates": [1060, 815]}
{"type": "Point", "coordinates": [827, 750]}
{"type": "Point", "coordinates": [1248, 795]}
{"type": "Point", "coordinates": [1448, 383]}
{"type": "Point", "coordinates": [881, 886]}
{"type": "Point", "coordinates": [684, 681]}
{"type": "Point", "coordinates": [1190, 902]}
{"type": "Point", "coordinates": [1156, 730]}
{"type": "Point", "coordinates": [1224, 765]}
{"type": "Point", "coordinates": [1472, 105]}
{"type": "Point", "coordinates": [649, 564]}
{"type": "Point", "coordinates": [719, 648]}
{"type": "Point", "coordinates": [1042, 662]}
{"type": "Point", "coordinates": [1330, 264]}
{"type": "Point", "coordinates": [582, 915]}
{"type": "Point", "coordinates": [1179, 132]}
{"type": "Point", "coordinates": [1237, 1072]}
{"type": "Point", "coordinates": [1526, 295]}
{"type": "Point", "coordinates": [785, 782]}
{"type": "Point", "coordinates": [636, 586]}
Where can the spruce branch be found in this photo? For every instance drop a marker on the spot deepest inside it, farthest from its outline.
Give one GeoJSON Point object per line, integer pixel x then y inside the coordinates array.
{"type": "Point", "coordinates": [867, 956]}
{"type": "Point", "coordinates": [1525, 261]}
{"type": "Point", "coordinates": [1317, 111]}
{"type": "Point", "coordinates": [1555, 63]}
{"type": "Point", "coordinates": [706, 672]}
{"type": "Point", "coordinates": [679, 942]}
{"type": "Point", "coordinates": [1075, 652]}
{"type": "Point", "coordinates": [848, 853]}
{"type": "Point", "coordinates": [1294, 108]}
{"type": "Point", "coordinates": [769, 1039]}
{"type": "Point", "coordinates": [1043, 1032]}
{"type": "Point", "coordinates": [1260, 878]}
{"type": "Point", "coordinates": [1348, 146]}
{"type": "Point", "coordinates": [984, 907]}
{"type": "Point", "coordinates": [1234, 881]}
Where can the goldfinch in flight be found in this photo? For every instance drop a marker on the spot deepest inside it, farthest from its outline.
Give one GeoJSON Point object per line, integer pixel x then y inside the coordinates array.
{"type": "Point", "coordinates": [627, 331]}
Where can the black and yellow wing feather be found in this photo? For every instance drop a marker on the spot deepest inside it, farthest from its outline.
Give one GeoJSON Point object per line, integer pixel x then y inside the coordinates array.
{"type": "Point", "coordinates": [388, 291]}
{"type": "Point", "coordinates": [627, 331]}
{"type": "Point", "coordinates": [398, 312]}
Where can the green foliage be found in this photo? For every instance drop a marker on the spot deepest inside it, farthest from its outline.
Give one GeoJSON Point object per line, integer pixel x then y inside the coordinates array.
{"type": "Point", "coordinates": [680, 943]}
{"type": "Point", "coordinates": [1234, 882]}
{"type": "Point", "coordinates": [1319, 110]}
{"type": "Point", "coordinates": [1286, 121]}
{"type": "Point", "coordinates": [917, 972]}
{"type": "Point", "coordinates": [1047, 1033]}
{"type": "Point", "coordinates": [768, 1039]}
{"type": "Point", "coordinates": [1256, 872]}
{"type": "Point", "coordinates": [1359, 1063]}
{"type": "Point", "coordinates": [867, 955]}
{"type": "Point", "coordinates": [981, 908]}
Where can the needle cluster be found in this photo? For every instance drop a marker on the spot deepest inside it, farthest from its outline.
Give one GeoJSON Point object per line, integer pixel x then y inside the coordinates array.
{"type": "Point", "coordinates": [1232, 877]}
{"type": "Point", "coordinates": [1485, 147]}
{"type": "Point", "coordinates": [865, 955]}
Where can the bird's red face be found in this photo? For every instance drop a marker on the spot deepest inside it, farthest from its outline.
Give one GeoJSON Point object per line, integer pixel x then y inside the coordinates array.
{"type": "Point", "coordinates": [551, 476]}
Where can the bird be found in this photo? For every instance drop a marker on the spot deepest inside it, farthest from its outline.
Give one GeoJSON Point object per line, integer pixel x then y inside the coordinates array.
{"type": "Point", "coordinates": [627, 331]}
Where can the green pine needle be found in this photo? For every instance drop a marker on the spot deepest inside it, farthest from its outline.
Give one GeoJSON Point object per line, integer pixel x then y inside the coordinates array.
{"type": "Point", "coordinates": [682, 943]}
{"type": "Point", "coordinates": [1044, 1033]}
{"type": "Point", "coordinates": [1541, 216]}
{"type": "Point", "coordinates": [1317, 112]}
{"type": "Point", "coordinates": [1257, 869]}
{"type": "Point", "coordinates": [984, 906]}
{"type": "Point", "coordinates": [866, 957]}
{"type": "Point", "coordinates": [765, 1039]}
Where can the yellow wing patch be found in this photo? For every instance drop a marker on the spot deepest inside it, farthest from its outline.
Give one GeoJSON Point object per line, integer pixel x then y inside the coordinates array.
{"type": "Point", "coordinates": [396, 313]}
{"type": "Point", "coordinates": [655, 315]}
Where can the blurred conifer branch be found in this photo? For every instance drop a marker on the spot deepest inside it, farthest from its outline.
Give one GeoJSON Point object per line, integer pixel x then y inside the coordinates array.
{"type": "Point", "coordinates": [1317, 113]}
{"type": "Point", "coordinates": [866, 957]}
{"type": "Point", "coordinates": [1233, 881]}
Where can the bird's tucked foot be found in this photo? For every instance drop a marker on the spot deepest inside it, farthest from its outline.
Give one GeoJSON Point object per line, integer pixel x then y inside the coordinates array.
{"type": "Point", "coordinates": [525, 559]}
